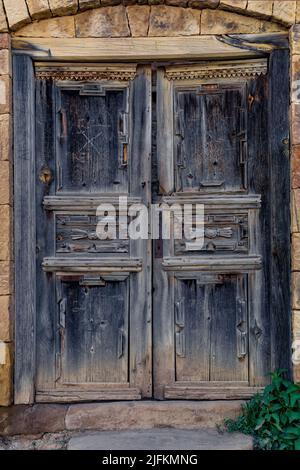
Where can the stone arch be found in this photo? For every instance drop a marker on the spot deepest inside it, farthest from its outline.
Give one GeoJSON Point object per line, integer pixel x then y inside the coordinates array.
{"type": "Point", "coordinates": [16, 14]}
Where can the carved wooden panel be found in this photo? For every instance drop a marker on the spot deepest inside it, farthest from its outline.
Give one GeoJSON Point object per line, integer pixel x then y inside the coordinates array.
{"type": "Point", "coordinates": [93, 331]}
{"type": "Point", "coordinates": [211, 327]}
{"type": "Point", "coordinates": [92, 128]}
{"type": "Point", "coordinates": [223, 233]}
{"type": "Point", "coordinates": [210, 138]}
{"type": "Point", "coordinates": [76, 233]}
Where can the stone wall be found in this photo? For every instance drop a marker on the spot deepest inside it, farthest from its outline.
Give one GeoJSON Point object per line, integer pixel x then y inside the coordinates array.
{"type": "Point", "coordinates": [6, 285]}
{"type": "Point", "coordinates": [136, 18]}
{"type": "Point", "coordinates": [16, 13]}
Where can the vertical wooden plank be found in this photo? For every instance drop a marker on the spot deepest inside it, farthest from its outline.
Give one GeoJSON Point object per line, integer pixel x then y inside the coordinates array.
{"type": "Point", "coordinates": [47, 328]}
{"type": "Point", "coordinates": [280, 211]}
{"type": "Point", "coordinates": [165, 133]}
{"type": "Point", "coordinates": [24, 230]}
{"type": "Point", "coordinates": [140, 283]}
{"type": "Point", "coordinates": [193, 301]}
{"type": "Point", "coordinates": [228, 299]}
{"type": "Point", "coordinates": [259, 225]}
{"type": "Point", "coordinates": [163, 329]}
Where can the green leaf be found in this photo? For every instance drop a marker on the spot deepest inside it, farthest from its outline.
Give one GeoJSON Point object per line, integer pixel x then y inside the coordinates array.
{"type": "Point", "coordinates": [293, 415]}
{"type": "Point", "coordinates": [292, 431]}
{"type": "Point", "coordinates": [294, 399]}
{"type": "Point", "coordinates": [297, 444]}
{"type": "Point", "coordinates": [260, 423]}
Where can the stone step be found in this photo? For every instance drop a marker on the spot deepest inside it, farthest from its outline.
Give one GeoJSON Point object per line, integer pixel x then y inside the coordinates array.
{"type": "Point", "coordinates": [161, 439]}
{"type": "Point", "coordinates": [105, 416]}
{"type": "Point", "coordinates": [150, 414]}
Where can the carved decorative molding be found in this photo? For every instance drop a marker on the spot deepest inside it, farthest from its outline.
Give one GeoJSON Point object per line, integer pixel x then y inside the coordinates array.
{"type": "Point", "coordinates": [218, 70]}
{"type": "Point", "coordinates": [80, 73]}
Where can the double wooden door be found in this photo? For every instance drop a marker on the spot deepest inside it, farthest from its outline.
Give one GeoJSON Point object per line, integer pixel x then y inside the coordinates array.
{"type": "Point", "coordinates": [125, 318]}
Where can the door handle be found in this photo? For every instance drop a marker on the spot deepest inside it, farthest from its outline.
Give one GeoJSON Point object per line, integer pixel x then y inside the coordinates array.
{"type": "Point", "coordinates": [63, 124]}
{"type": "Point", "coordinates": [121, 341]}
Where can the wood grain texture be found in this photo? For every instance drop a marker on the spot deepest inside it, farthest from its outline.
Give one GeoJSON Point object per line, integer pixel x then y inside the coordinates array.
{"type": "Point", "coordinates": [128, 48]}
{"type": "Point", "coordinates": [24, 231]}
{"type": "Point", "coordinates": [280, 263]}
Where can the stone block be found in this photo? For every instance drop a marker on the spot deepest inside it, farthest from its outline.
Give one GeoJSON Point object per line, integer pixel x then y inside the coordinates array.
{"type": "Point", "coordinates": [103, 22]}
{"type": "Point", "coordinates": [296, 252]}
{"type": "Point", "coordinates": [5, 94]}
{"type": "Point", "coordinates": [225, 22]}
{"type": "Point", "coordinates": [39, 9]}
{"type": "Point", "coordinates": [60, 27]}
{"type": "Point", "coordinates": [5, 278]}
{"type": "Point", "coordinates": [63, 7]}
{"type": "Point", "coordinates": [36, 419]}
{"type": "Point", "coordinates": [6, 375]}
{"type": "Point", "coordinates": [173, 21]}
{"type": "Point", "coordinates": [263, 9]}
{"type": "Point", "coordinates": [5, 137]}
{"type": "Point", "coordinates": [295, 121]}
{"type": "Point", "coordinates": [285, 12]}
{"type": "Point", "coordinates": [5, 318]}
{"type": "Point", "coordinates": [5, 62]}
{"type": "Point", "coordinates": [3, 21]}
{"type": "Point", "coordinates": [17, 13]}
{"type": "Point", "coordinates": [138, 17]}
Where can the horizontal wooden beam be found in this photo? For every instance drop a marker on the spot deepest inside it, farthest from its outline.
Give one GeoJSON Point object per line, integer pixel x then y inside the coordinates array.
{"type": "Point", "coordinates": [177, 392]}
{"type": "Point", "coordinates": [213, 264]}
{"type": "Point", "coordinates": [84, 203]}
{"type": "Point", "coordinates": [68, 396]}
{"type": "Point", "coordinates": [99, 265]}
{"type": "Point", "coordinates": [112, 49]}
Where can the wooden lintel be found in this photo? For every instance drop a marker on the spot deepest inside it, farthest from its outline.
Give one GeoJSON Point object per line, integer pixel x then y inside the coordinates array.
{"type": "Point", "coordinates": [116, 49]}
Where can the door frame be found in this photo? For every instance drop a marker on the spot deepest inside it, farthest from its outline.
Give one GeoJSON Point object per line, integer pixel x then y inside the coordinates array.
{"type": "Point", "coordinates": [28, 50]}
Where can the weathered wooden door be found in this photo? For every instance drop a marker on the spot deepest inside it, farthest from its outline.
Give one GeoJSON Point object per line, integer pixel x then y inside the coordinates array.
{"type": "Point", "coordinates": [93, 317]}
{"type": "Point", "coordinates": [217, 135]}
{"type": "Point", "coordinates": [218, 310]}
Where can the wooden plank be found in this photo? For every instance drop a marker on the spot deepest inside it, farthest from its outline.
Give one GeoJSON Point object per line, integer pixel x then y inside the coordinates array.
{"type": "Point", "coordinates": [84, 203]}
{"type": "Point", "coordinates": [258, 159]}
{"type": "Point", "coordinates": [213, 263]}
{"type": "Point", "coordinates": [46, 322]}
{"type": "Point", "coordinates": [216, 201]}
{"type": "Point", "coordinates": [140, 368]}
{"type": "Point", "coordinates": [163, 329]}
{"type": "Point", "coordinates": [177, 392]}
{"type": "Point", "coordinates": [280, 263]}
{"type": "Point", "coordinates": [228, 317]}
{"type": "Point", "coordinates": [24, 228]}
{"type": "Point", "coordinates": [165, 144]}
{"type": "Point", "coordinates": [82, 395]}
{"type": "Point", "coordinates": [193, 309]}
{"type": "Point", "coordinates": [110, 49]}
{"type": "Point", "coordinates": [81, 264]}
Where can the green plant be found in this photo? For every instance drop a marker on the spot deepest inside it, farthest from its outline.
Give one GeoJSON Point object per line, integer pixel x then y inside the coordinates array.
{"type": "Point", "coordinates": [273, 416]}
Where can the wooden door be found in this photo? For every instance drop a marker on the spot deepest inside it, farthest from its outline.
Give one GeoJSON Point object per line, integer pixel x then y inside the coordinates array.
{"type": "Point", "coordinates": [217, 135]}
{"type": "Point", "coordinates": [93, 133]}
{"type": "Point", "coordinates": [221, 143]}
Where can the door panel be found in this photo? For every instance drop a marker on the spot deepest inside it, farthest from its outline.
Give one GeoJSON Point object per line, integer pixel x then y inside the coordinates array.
{"type": "Point", "coordinates": [211, 325]}
{"type": "Point", "coordinates": [213, 149]}
{"type": "Point", "coordinates": [92, 123]}
{"type": "Point", "coordinates": [93, 294]}
{"type": "Point", "coordinates": [93, 333]}
{"type": "Point", "coordinates": [210, 137]}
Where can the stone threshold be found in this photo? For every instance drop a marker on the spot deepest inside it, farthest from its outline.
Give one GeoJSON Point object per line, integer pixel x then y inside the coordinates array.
{"type": "Point", "coordinates": [115, 416]}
